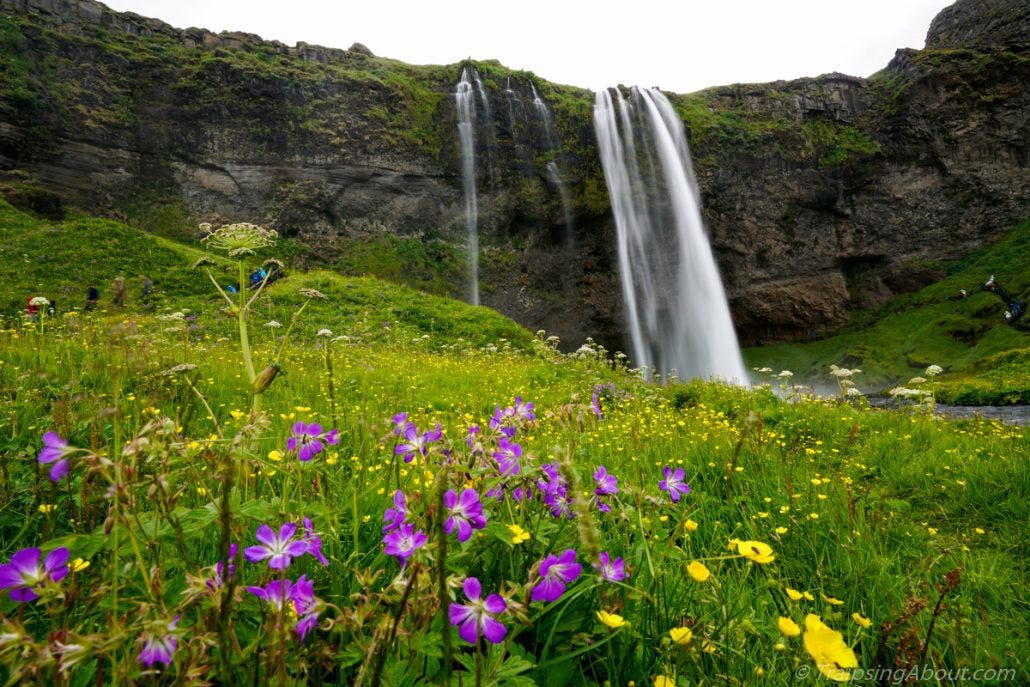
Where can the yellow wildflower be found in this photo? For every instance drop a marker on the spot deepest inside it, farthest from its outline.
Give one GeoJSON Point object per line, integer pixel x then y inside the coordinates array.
{"type": "Point", "coordinates": [47, 507]}
{"type": "Point", "coordinates": [832, 601]}
{"type": "Point", "coordinates": [861, 620]}
{"type": "Point", "coordinates": [793, 594]}
{"type": "Point", "coordinates": [756, 551]}
{"type": "Point", "coordinates": [518, 535]}
{"type": "Point", "coordinates": [788, 627]}
{"type": "Point", "coordinates": [664, 681]}
{"type": "Point", "coordinates": [681, 635]}
{"type": "Point", "coordinates": [79, 564]}
{"type": "Point", "coordinates": [827, 648]}
{"type": "Point", "coordinates": [690, 525]}
{"type": "Point", "coordinates": [698, 571]}
{"type": "Point", "coordinates": [275, 455]}
{"type": "Point", "coordinates": [781, 530]}
{"type": "Point", "coordinates": [237, 414]}
{"type": "Point", "coordinates": [612, 620]}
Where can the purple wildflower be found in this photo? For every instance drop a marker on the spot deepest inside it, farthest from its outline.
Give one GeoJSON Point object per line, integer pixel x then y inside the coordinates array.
{"type": "Point", "coordinates": [674, 484]}
{"type": "Point", "coordinates": [278, 593]}
{"type": "Point", "coordinates": [55, 450]}
{"type": "Point", "coordinates": [220, 577]}
{"type": "Point", "coordinates": [473, 437]}
{"type": "Point", "coordinates": [466, 513]}
{"type": "Point", "coordinates": [607, 485]}
{"type": "Point", "coordinates": [595, 403]}
{"type": "Point", "coordinates": [507, 456]}
{"type": "Point", "coordinates": [403, 541]}
{"type": "Point", "coordinates": [307, 440]}
{"type": "Point", "coordinates": [556, 491]}
{"type": "Point", "coordinates": [400, 423]}
{"type": "Point", "coordinates": [314, 542]}
{"type": "Point", "coordinates": [158, 647]}
{"type": "Point", "coordinates": [23, 574]}
{"type": "Point", "coordinates": [608, 569]}
{"type": "Point", "coordinates": [394, 516]}
{"type": "Point", "coordinates": [417, 443]}
{"type": "Point", "coordinates": [477, 616]}
{"type": "Point", "coordinates": [555, 573]}
{"type": "Point", "coordinates": [279, 548]}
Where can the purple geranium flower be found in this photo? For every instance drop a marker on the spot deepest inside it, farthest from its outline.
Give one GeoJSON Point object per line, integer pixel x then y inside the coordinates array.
{"type": "Point", "coordinates": [394, 516]}
{"type": "Point", "coordinates": [220, 577]}
{"type": "Point", "coordinates": [400, 423]}
{"type": "Point", "coordinates": [555, 573]}
{"type": "Point", "coordinates": [477, 616]}
{"type": "Point", "coordinates": [607, 485]}
{"type": "Point", "coordinates": [610, 570]}
{"type": "Point", "coordinates": [403, 541]}
{"type": "Point", "coordinates": [556, 491]}
{"type": "Point", "coordinates": [301, 594]}
{"type": "Point", "coordinates": [55, 450]}
{"type": "Point", "coordinates": [416, 442]}
{"type": "Point", "coordinates": [307, 439]}
{"type": "Point", "coordinates": [466, 513]}
{"type": "Point", "coordinates": [23, 574]}
{"type": "Point", "coordinates": [674, 484]}
{"type": "Point", "coordinates": [278, 548]}
{"type": "Point", "coordinates": [314, 542]}
{"type": "Point", "coordinates": [507, 456]}
{"type": "Point", "coordinates": [595, 403]}
{"type": "Point", "coordinates": [158, 647]}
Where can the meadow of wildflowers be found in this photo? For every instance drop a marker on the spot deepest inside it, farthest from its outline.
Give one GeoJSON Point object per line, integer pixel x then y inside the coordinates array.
{"type": "Point", "coordinates": [344, 502]}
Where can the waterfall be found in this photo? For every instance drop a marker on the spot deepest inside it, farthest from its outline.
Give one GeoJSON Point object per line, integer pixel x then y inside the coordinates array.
{"type": "Point", "coordinates": [466, 104]}
{"type": "Point", "coordinates": [555, 178]}
{"type": "Point", "coordinates": [676, 308]}
{"type": "Point", "coordinates": [550, 133]}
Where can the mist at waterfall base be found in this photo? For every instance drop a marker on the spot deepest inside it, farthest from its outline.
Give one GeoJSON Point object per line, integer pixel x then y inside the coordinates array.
{"type": "Point", "coordinates": [677, 314]}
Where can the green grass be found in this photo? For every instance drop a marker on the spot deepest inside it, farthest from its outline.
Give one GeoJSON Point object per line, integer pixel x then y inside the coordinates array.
{"type": "Point", "coordinates": [984, 358]}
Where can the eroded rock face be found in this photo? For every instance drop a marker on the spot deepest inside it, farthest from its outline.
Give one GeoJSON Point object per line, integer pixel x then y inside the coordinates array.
{"type": "Point", "coordinates": [816, 192]}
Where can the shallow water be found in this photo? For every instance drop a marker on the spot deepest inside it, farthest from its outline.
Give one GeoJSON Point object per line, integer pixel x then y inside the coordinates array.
{"type": "Point", "coordinates": [1010, 415]}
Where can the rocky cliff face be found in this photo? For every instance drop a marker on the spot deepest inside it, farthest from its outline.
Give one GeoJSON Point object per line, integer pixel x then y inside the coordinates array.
{"type": "Point", "coordinates": [819, 193]}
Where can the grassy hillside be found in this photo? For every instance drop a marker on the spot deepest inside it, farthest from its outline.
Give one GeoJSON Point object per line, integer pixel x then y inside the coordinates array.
{"type": "Point", "coordinates": [60, 260]}
{"type": "Point", "coordinates": [985, 360]}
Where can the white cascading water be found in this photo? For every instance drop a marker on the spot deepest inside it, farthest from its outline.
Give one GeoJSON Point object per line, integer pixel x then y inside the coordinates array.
{"type": "Point", "coordinates": [466, 104]}
{"type": "Point", "coordinates": [554, 176]}
{"type": "Point", "coordinates": [550, 133]}
{"type": "Point", "coordinates": [678, 316]}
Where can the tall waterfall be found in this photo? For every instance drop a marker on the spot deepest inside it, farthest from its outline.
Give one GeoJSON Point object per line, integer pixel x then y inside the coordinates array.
{"type": "Point", "coordinates": [550, 133]}
{"type": "Point", "coordinates": [466, 104]}
{"type": "Point", "coordinates": [554, 176]}
{"type": "Point", "coordinates": [675, 303]}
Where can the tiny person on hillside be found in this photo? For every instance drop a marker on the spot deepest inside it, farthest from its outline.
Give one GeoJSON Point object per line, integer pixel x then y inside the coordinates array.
{"type": "Point", "coordinates": [146, 290]}
{"type": "Point", "coordinates": [119, 292]}
{"type": "Point", "coordinates": [92, 297]}
{"type": "Point", "coordinates": [1014, 308]}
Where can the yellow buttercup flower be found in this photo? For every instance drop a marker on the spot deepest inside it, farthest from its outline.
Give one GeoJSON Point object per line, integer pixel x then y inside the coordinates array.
{"type": "Point", "coordinates": [46, 507]}
{"type": "Point", "coordinates": [808, 596]}
{"type": "Point", "coordinates": [664, 681]}
{"type": "Point", "coordinates": [690, 526]}
{"type": "Point", "coordinates": [832, 601]}
{"type": "Point", "coordinates": [781, 530]}
{"type": "Point", "coordinates": [698, 571]}
{"type": "Point", "coordinates": [612, 620]}
{"type": "Point", "coordinates": [793, 594]}
{"type": "Point", "coordinates": [274, 454]}
{"type": "Point", "coordinates": [756, 551]}
{"type": "Point", "coordinates": [827, 648]}
{"type": "Point", "coordinates": [681, 635]}
{"type": "Point", "coordinates": [518, 535]}
{"type": "Point", "coordinates": [861, 620]}
{"type": "Point", "coordinates": [79, 564]}
{"type": "Point", "coordinates": [237, 414]}
{"type": "Point", "coordinates": [787, 627]}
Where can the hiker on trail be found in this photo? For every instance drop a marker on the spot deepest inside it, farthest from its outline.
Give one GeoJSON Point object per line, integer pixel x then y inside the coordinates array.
{"type": "Point", "coordinates": [258, 276]}
{"type": "Point", "coordinates": [119, 292]}
{"type": "Point", "coordinates": [1014, 308]}
{"type": "Point", "coordinates": [92, 297]}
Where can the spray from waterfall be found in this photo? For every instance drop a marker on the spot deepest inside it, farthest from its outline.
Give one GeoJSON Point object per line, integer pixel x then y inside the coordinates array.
{"type": "Point", "coordinates": [554, 176]}
{"type": "Point", "coordinates": [550, 133]}
{"type": "Point", "coordinates": [553, 173]}
{"type": "Point", "coordinates": [466, 105]}
{"type": "Point", "coordinates": [676, 308]}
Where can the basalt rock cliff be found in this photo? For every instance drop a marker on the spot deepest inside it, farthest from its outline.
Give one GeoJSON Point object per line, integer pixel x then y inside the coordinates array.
{"type": "Point", "coordinates": [821, 195]}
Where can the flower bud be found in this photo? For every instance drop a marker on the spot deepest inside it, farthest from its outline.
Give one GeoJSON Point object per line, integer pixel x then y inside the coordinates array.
{"type": "Point", "coordinates": [264, 379]}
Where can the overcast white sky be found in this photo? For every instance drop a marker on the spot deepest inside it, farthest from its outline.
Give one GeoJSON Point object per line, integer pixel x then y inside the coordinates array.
{"type": "Point", "coordinates": [681, 46]}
